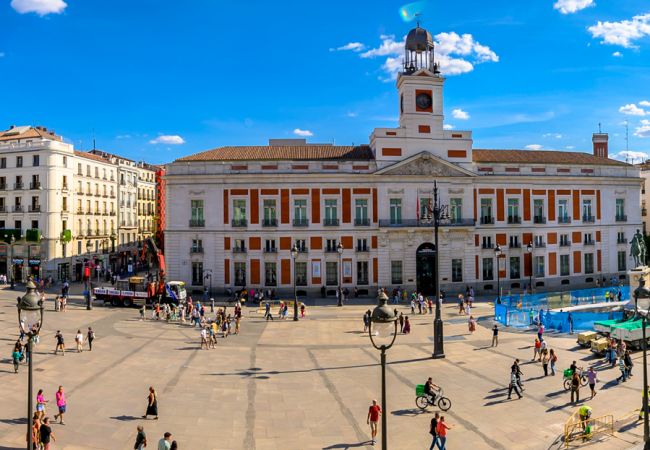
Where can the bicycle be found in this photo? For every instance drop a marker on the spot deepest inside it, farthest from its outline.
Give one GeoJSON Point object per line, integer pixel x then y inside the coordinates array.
{"type": "Point", "coordinates": [423, 400]}
{"type": "Point", "coordinates": [568, 375]}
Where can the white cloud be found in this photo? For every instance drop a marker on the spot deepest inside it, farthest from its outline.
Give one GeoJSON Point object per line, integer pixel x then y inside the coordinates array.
{"type": "Point", "coordinates": [553, 135]}
{"type": "Point", "coordinates": [447, 126]}
{"type": "Point", "coordinates": [569, 147]}
{"type": "Point", "coordinates": [2, 54]}
{"type": "Point", "coordinates": [456, 54]}
{"type": "Point", "coordinates": [305, 133]}
{"type": "Point", "coordinates": [172, 139]}
{"type": "Point", "coordinates": [351, 114]}
{"type": "Point", "coordinates": [643, 131]}
{"type": "Point", "coordinates": [572, 6]}
{"type": "Point", "coordinates": [534, 147]}
{"type": "Point", "coordinates": [123, 136]}
{"type": "Point", "coordinates": [617, 55]}
{"type": "Point", "coordinates": [622, 33]}
{"type": "Point", "coordinates": [644, 103]}
{"type": "Point", "coordinates": [352, 46]}
{"type": "Point", "coordinates": [40, 7]}
{"type": "Point", "coordinates": [631, 156]}
{"type": "Point", "coordinates": [632, 110]}
{"type": "Point", "coordinates": [459, 114]}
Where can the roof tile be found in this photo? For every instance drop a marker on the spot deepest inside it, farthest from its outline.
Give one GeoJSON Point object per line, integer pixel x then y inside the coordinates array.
{"type": "Point", "coordinates": [287, 152]}
{"type": "Point", "coordinates": [541, 157]}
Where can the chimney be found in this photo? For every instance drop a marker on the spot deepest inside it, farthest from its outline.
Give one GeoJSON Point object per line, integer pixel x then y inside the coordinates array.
{"type": "Point", "coordinates": [600, 141]}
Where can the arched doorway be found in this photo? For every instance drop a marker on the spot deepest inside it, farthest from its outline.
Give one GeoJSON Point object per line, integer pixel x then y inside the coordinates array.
{"type": "Point", "coordinates": [425, 268]}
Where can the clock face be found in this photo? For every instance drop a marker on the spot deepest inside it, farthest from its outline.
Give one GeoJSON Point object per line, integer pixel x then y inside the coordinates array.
{"type": "Point", "coordinates": [423, 101]}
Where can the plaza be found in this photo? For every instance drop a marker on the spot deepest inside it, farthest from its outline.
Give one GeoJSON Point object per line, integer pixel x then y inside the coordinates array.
{"type": "Point", "coordinates": [305, 385]}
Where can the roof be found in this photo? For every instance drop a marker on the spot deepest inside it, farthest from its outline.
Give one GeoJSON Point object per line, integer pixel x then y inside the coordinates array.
{"type": "Point", "coordinates": [91, 156]}
{"type": "Point", "coordinates": [108, 155]}
{"type": "Point", "coordinates": [27, 132]}
{"type": "Point", "coordinates": [284, 152]}
{"type": "Point", "coordinates": [541, 157]}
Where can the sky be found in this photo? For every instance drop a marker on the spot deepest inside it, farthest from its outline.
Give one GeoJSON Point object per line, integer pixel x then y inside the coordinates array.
{"type": "Point", "coordinates": [157, 80]}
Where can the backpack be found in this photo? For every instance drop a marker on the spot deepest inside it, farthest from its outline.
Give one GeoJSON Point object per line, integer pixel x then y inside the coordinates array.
{"type": "Point", "coordinates": [554, 358]}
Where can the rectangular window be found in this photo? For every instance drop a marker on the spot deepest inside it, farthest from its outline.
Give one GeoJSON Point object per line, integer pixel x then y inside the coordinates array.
{"type": "Point", "coordinates": [620, 237]}
{"type": "Point", "coordinates": [331, 212]}
{"type": "Point", "coordinates": [362, 272]}
{"type": "Point", "coordinates": [622, 257]}
{"type": "Point", "coordinates": [240, 274]}
{"type": "Point", "coordinates": [36, 160]}
{"type": "Point", "coordinates": [564, 240]}
{"type": "Point", "coordinates": [361, 211]}
{"type": "Point", "coordinates": [538, 265]}
{"type": "Point", "coordinates": [269, 246]}
{"type": "Point", "coordinates": [34, 224]}
{"type": "Point", "coordinates": [240, 245]}
{"type": "Point", "coordinates": [197, 246]}
{"type": "Point", "coordinates": [563, 210]}
{"type": "Point", "coordinates": [486, 211]}
{"type": "Point", "coordinates": [487, 241]}
{"type": "Point", "coordinates": [197, 274]}
{"type": "Point", "coordinates": [565, 265]}
{"type": "Point", "coordinates": [79, 169]}
{"type": "Point", "coordinates": [488, 269]}
{"type": "Point", "coordinates": [589, 263]}
{"type": "Point", "coordinates": [362, 245]}
{"type": "Point", "coordinates": [395, 211]}
{"type": "Point", "coordinates": [455, 210]}
{"type": "Point", "coordinates": [300, 211]}
{"type": "Point", "coordinates": [197, 210]}
{"type": "Point", "coordinates": [396, 272]}
{"type": "Point", "coordinates": [239, 210]}
{"type": "Point", "coordinates": [3, 163]}
{"type": "Point", "coordinates": [515, 268]}
{"type": "Point", "coordinates": [513, 210]}
{"type": "Point", "coordinates": [301, 245]}
{"type": "Point", "coordinates": [588, 238]}
{"type": "Point", "coordinates": [514, 241]}
{"type": "Point", "coordinates": [19, 161]}
{"type": "Point", "coordinates": [538, 211]}
{"type": "Point", "coordinates": [426, 205]}
{"type": "Point", "coordinates": [539, 241]}
{"type": "Point", "coordinates": [456, 270]}
{"type": "Point", "coordinates": [64, 203]}
{"type": "Point", "coordinates": [301, 274]}
{"type": "Point", "coordinates": [586, 211]}
{"type": "Point", "coordinates": [270, 274]}
{"type": "Point", "coordinates": [620, 209]}
{"type": "Point", "coordinates": [270, 217]}
{"type": "Point", "coordinates": [331, 273]}
{"type": "Point", "coordinates": [330, 245]}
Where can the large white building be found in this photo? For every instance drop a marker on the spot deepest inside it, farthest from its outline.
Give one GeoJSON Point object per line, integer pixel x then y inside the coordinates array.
{"type": "Point", "coordinates": [237, 211]}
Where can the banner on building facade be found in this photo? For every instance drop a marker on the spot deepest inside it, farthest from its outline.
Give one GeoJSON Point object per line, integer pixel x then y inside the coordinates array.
{"type": "Point", "coordinates": [315, 269]}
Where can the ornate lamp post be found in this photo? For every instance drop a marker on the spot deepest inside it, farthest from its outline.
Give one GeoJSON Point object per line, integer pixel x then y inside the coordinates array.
{"type": "Point", "coordinates": [383, 331]}
{"type": "Point", "coordinates": [529, 249]}
{"type": "Point", "coordinates": [498, 253]}
{"type": "Point", "coordinates": [643, 292]}
{"type": "Point", "coordinates": [294, 255]}
{"type": "Point", "coordinates": [339, 249]}
{"type": "Point", "coordinates": [30, 320]}
{"type": "Point", "coordinates": [89, 306]}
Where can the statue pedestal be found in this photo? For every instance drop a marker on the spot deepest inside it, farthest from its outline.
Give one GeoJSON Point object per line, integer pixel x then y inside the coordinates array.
{"type": "Point", "coordinates": [636, 274]}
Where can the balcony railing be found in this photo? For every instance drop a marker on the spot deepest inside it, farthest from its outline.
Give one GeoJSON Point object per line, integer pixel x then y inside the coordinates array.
{"type": "Point", "coordinates": [18, 208]}
{"type": "Point", "coordinates": [239, 223]}
{"type": "Point", "coordinates": [18, 185]}
{"type": "Point", "coordinates": [112, 213]}
{"type": "Point", "coordinates": [331, 222]}
{"type": "Point", "coordinates": [565, 243]}
{"type": "Point", "coordinates": [487, 246]}
{"type": "Point", "coordinates": [564, 219]}
{"type": "Point", "coordinates": [514, 219]}
{"type": "Point", "coordinates": [270, 250]}
{"type": "Point", "coordinates": [300, 222]}
{"type": "Point", "coordinates": [35, 185]}
{"type": "Point", "coordinates": [270, 223]}
{"type": "Point", "coordinates": [487, 220]}
{"type": "Point", "coordinates": [361, 221]}
{"type": "Point", "coordinates": [539, 219]}
{"type": "Point", "coordinates": [196, 250]}
{"type": "Point", "coordinates": [34, 208]}
{"type": "Point", "coordinates": [3, 209]}
{"type": "Point", "coordinates": [621, 218]}
{"type": "Point", "coordinates": [239, 249]}
{"type": "Point", "coordinates": [588, 219]}
{"type": "Point", "coordinates": [303, 250]}
{"type": "Point", "coordinates": [621, 241]}
{"type": "Point", "coordinates": [410, 223]}
{"type": "Point", "coordinates": [330, 250]}
{"type": "Point", "coordinates": [197, 223]}
{"type": "Point", "coordinates": [540, 244]}
{"type": "Point", "coordinates": [515, 245]}
{"type": "Point", "coordinates": [589, 242]}
{"type": "Point", "coordinates": [362, 249]}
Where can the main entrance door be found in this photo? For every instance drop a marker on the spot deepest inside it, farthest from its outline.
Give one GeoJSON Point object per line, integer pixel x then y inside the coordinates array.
{"type": "Point", "coordinates": [425, 267]}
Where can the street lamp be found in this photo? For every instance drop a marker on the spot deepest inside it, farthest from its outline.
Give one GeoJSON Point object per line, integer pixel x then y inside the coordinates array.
{"type": "Point", "coordinates": [643, 292]}
{"type": "Point", "coordinates": [294, 255]}
{"type": "Point", "coordinates": [339, 249]}
{"type": "Point", "coordinates": [30, 320]}
{"type": "Point", "coordinates": [498, 253]}
{"type": "Point", "coordinates": [10, 268]}
{"type": "Point", "coordinates": [383, 331]}
{"type": "Point", "coordinates": [89, 305]}
{"type": "Point", "coordinates": [208, 276]}
{"type": "Point", "coordinates": [529, 249]}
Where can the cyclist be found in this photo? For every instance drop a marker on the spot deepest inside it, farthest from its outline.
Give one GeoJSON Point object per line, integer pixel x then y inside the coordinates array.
{"type": "Point", "coordinates": [430, 390]}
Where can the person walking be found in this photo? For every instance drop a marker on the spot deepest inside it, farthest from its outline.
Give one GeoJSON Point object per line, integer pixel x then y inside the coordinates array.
{"type": "Point", "coordinates": [495, 335]}
{"type": "Point", "coordinates": [46, 434]}
{"type": "Point", "coordinates": [536, 350]}
{"type": "Point", "coordinates": [204, 338]}
{"type": "Point", "coordinates": [628, 363]}
{"type": "Point", "coordinates": [60, 344]}
{"type": "Point", "coordinates": [174, 446]}
{"type": "Point", "coordinates": [433, 430]}
{"type": "Point", "coordinates": [441, 429]}
{"type": "Point", "coordinates": [373, 419]}
{"type": "Point", "coordinates": [407, 325]}
{"type": "Point", "coordinates": [570, 321]}
{"type": "Point", "coordinates": [592, 376]}
{"type": "Point", "coordinates": [152, 404]}
{"type": "Point", "coordinates": [140, 439]}
{"type": "Point", "coordinates": [545, 360]}
{"type": "Point", "coordinates": [90, 337]}
{"type": "Point", "coordinates": [514, 385]}
{"type": "Point", "coordinates": [143, 311]}
{"type": "Point", "coordinates": [553, 359]}
{"type": "Point", "coordinates": [623, 369]}
{"type": "Point", "coordinates": [15, 357]}
{"type": "Point", "coordinates": [471, 324]}
{"type": "Point", "coordinates": [40, 404]}
{"type": "Point", "coordinates": [61, 404]}
{"type": "Point", "coordinates": [267, 313]}
{"type": "Point", "coordinates": [366, 321]}
{"type": "Point", "coordinates": [79, 339]}
{"type": "Point", "coordinates": [401, 322]}
{"type": "Point", "coordinates": [575, 387]}
{"type": "Point", "coordinates": [166, 442]}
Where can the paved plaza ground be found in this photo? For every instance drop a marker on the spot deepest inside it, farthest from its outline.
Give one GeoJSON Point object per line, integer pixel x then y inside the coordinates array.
{"type": "Point", "coordinates": [305, 385]}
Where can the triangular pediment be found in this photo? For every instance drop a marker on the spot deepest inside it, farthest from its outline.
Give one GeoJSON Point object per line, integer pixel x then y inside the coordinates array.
{"type": "Point", "coordinates": [426, 164]}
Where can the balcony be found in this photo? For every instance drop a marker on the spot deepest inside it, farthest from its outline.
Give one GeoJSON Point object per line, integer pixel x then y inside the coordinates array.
{"type": "Point", "coordinates": [411, 223]}
{"type": "Point", "coordinates": [644, 211]}
{"type": "Point", "coordinates": [331, 222]}
{"type": "Point", "coordinates": [486, 246]}
{"type": "Point", "coordinates": [588, 219]}
{"type": "Point", "coordinates": [565, 244]}
{"type": "Point", "coordinates": [303, 250]}
{"type": "Point", "coordinates": [270, 250]}
{"type": "Point", "coordinates": [621, 218]}
{"type": "Point", "coordinates": [112, 195]}
{"type": "Point", "coordinates": [112, 213]}
{"type": "Point", "coordinates": [239, 249]}
{"type": "Point", "coordinates": [514, 245]}
{"type": "Point", "coordinates": [18, 185]}
{"type": "Point", "coordinates": [362, 249]}
{"type": "Point", "coordinates": [35, 185]}
{"type": "Point", "coordinates": [270, 222]}
{"type": "Point", "coordinates": [197, 223]}
{"type": "Point", "coordinates": [621, 241]}
{"type": "Point", "coordinates": [539, 219]}
{"type": "Point", "coordinates": [34, 208]}
{"type": "Point", "coordinates": [330, 250]}
{"type": "Point", "coordinates": [3, 209]}
{"type": "Point", "coordinates": [564, 219]}
{"type": "Point", "coordinates": [18, 208]}
{"type": "Point", "coordinates": [64, 187]}
{"type": "Point", "coordinates": [80, 210]}
{"type": "Point", "coordinates": [361, 221]}
{"type": "Point", "coordinates": [300, 222]}
{"type": "Point", "coordinates": [238, 223]}
{"type": "Point", "coordinates": [3, 187]}
{"type": "Point", "coordinates": [196, 250]}
{"type": "Point", "coordinates": [514, 219]}
{"type": "Point", "coordinates": [487, 220]}
{"type": "Point", "coordinates": [540, 244]}
{"type": "Point", "coordinates": [589, 242]}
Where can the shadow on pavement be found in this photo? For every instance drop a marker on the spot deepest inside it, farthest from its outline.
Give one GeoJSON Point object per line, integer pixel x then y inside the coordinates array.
{"type": "Point", "coordinates": [409, 412]}
{"type": "Point", "coordinates": [17, 421]}
{"type": "Point", "coordinates": [124, 418]}
{"type": "Point", "coordinates": [344, 446]}
{"type": "Point", "coordinates": [2, 447]}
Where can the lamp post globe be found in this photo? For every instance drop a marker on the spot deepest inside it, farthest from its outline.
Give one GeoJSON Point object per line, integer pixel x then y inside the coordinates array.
{"type": "Point", "coordinates": [30, 320]}
{"type": "Point", "coordinates": [294, 255]}
{"type": "Point", "coordinates": [339, 249]}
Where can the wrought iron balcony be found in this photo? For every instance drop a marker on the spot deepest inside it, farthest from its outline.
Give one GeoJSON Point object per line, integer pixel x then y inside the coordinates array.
{"type": "Point", "coordinates": [35, 185]}
{"type": "Point", "coordinates": [34, 208]}
{"type": "Point", "coordinates": [197, 223]}
{"type": "Point", "coordinates": [331, 222]}
{"type": "Point", "coordinates": [411, 223]}
{"type": "Point", "coordinates": [362, 221]}
{"type": "Point", "coordinates": [18, 208]}
{"type": "Point", "coordinates": [270, 250]}
{"type": "Point", "coordinates": [565, 243]}
{"type": "Point", "coordinates": [564, 219]}
{"type": "Point", "coordinates": [487, 220]}
{"type": "Point", "coordinates": [362, 249]}
{"type": "Point", "coordinates": [621, 218]}
{"type": "Point", "coordinates": [514, 245]}
{"type": "Point", "coordinates": [18, 185]}
{"type": "Point", "coordinates": [621, 241]}
{"type": "Point", "coordinates": [196, 250]}
{"type": "Point", "coordinates": [3, 209]}
{"type": "Point", "coordinates": [3, 187]}
{"type": "Point", "coordinates": [588, 219]}
{"type": "Point", "coordinates": [300, 222]}
{"type": "Point", "coordinates": [239, 249]}
{"type": "Point", "coordinates": [303, 250]}
{"type": "Point", "coordinates": [514, 219]}
{"type": "Point", "coordinates": [239, 223]}
{"type": "Point", "coordinates": [539, 219]}
{"type": "Point", "coordinates": [270, 222]}
{"type": "Point", "coordinates": [487, 246]}
{"type": "Point", "coordinates": [589, 242]}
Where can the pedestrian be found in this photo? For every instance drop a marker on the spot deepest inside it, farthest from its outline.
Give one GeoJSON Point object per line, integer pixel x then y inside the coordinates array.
{"type": "Point", "coordinates": [79, 339]}
{"type": "Point", "coordinates": [407, 325]}
{"type": "Point", "coordinates": [471, 324]}
{"type": "Point", "coordinates": [570, 320]}
{"type": "Point", "coordinates": [433, 430]}
{"type": "Point", "coordinates": [46, 434]}
{"type": "Point", "coordinates": [166, 442]}
{"type": "Point", "coordinates": [461, 304]}
{"type": "Point", "coordinates": [592, 376]}
{"type": "Point", "coordinates": [628, 363]}
{"type": "Point", "coordinates": [36, 425]}
{"type": "Point", "coordinates": [152, 404]}
{"type": "Point", "coordinates": [143, 311]}
{"type": "Point", "coordinates": [495, 335]}
{"type": "Point", "coordinates": [536, 349]}
{"type": "Point", "coordinates": [514, 385]}
{"type": "Point", "coordinates": [540, 332]}
{"type": "Point", "coordinates": [553, 358]}
{"type": "Point", "coordinates": [302, 310]}
{"type": "Point", "coordinates": [430, 302]}
{"type": "Point", "coordinates": [366, 321]}
{"type": "Point", "coordinates": [373, 418]}
{"type": "Point", "coordinates": [174, 446]}
{"type": "Point", "coordinates": [441, 429]}
{"type": "Point", "coordinates": [40, 404]}
{"type": "Point", "coordinates": [60, 344]}
{"type": "Point", "coordinates": [61, 404]}
{"type": "Point", "coordinates": [517, 370]}
{"type": "Point", "coordinates": [90, 336]}
{"type": "Point", "coordinates": [267, 311]}
{"type": "Point", "coordinates": [140, 439]}
{"type": "Point", "coordinates": [623, 369]}
{"type": "Point", "coordinates": [237, 321]}
{"type": "Point", "coordinates": [401, 322]}
{"type": "Point", "coordinates": [204, 338]}
{"type": "Point", "coordinates": [575, 387]}
{"type": "Point", "coordinates": [16, 355]}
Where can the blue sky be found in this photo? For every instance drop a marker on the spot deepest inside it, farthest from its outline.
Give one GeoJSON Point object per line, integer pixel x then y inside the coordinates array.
{"type": "Point", "coordinates": [157, 80]}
